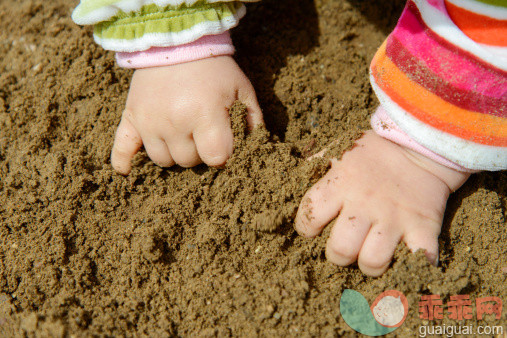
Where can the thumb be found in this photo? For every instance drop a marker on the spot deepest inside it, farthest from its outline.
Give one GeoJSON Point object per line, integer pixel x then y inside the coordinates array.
{"type": "Point", "coordinates": [127, 143]}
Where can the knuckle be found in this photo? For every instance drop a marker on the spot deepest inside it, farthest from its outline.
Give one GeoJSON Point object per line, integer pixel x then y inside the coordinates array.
{"type": "Point", "coordinates": [246, 86]}
{"type": "Point", "coordinates": [188, 164]}
{"type": "Point", "coordinates": [215, 146]}
{"type": "Point", "coordinates": [188, 161]}
{"type": "Point", "coordinates": [373, 262]}
{"type": "Point", "coordinates": [179, 116]}
{"type": "Point", "coordinates": [121, 150]}
{"type": "Point", "coordinates": [164, 163]}
{"type": "Point", "coordinates": [343, 251]}
{"type": "Point", "coordinates": [318, 195]}
{"type": "Point", "coordinates": [216, 159]}
{"type": "Point", "coordinates": [160, 159]}
{"type": "Point", "coordinates": [305, 217]}
{"type": "Point", "coordinates": [119, 153]}
{"type": "Point", "coordinates": [184, 106]}
{"type": "Point", "coordinates": [127, 137]}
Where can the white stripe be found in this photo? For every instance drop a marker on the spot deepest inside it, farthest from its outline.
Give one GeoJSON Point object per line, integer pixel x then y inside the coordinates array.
{"type": "Point", "coordinates": [443, 26]}
{"type": "Point", "coordinates": [481, 8]}
{"type": "Point", "coordinates": [107, 12]}
{"type": "Point", "coordinates": [497, 50]}
{"type": "Point", "coordinates": [465, 153]}
{"type": "Point", "coordinates": [172, 39]}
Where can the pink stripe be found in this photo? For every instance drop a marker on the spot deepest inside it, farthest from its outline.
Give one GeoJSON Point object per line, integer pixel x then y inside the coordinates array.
{"type": "Point", "coordinates": [438, 4]}
{"type": "Point", "coordinates": [417, 72]}
{"type": "Point", "coordinates": [457, 70]}
{"type": "Point", "coordinates": [205, 47]}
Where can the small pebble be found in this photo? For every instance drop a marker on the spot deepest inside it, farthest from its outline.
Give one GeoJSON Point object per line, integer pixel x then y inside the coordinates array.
{"type": "Point", "coordinates": [237, 276]}
{"type": "Point", "coordinates": [258, 249]}
{"type": "Point", "coordinates": [277, 315]}
{"type": "Point", "coordinates": [504, 269]}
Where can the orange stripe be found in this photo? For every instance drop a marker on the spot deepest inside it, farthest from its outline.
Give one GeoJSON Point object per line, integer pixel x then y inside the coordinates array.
{"type": "Point", "coordinates": [430, 109]}
{"type": "Point", "coordinates": [480, 28]}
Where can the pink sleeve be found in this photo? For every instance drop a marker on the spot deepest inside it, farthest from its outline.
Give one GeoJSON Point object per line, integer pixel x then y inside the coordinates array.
{"type": "Point", "coordinates": [205, 47]}
{"type": "Point", "coordinates": [385, 127]}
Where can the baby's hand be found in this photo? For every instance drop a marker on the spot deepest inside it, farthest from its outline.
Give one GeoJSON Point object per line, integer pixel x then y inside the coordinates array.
{"type": "Point", "coordinates": [381, 193]}
{"type": "Point", "coordinates": [180, 113]}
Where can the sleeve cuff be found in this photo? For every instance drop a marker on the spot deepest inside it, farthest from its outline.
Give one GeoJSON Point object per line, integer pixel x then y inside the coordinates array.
{"type": "Point", "coordinates": [205, 47]}
{"type": "Point", "coordinates": [386, 128]}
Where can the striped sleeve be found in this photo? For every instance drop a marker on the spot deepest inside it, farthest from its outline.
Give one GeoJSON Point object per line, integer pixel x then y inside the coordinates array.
{"type": "Point", "coordinates": [137, 25]}
{"type": "Point", "coordinates": [441, 76]}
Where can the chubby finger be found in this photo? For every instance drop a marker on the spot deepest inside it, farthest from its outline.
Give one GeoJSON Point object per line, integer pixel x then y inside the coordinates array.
{"type": "Point", "coordinates": [319, 206]}
{"type": "Point", "coordinates": [214, 144]}
{"type": "Point", "coordinates": [184, 151]}
{"type": "Point", "coordinates": [158, 151]}
{"type": "Point", "coordinates": [378, 249]}
{"type": "Point", "coordinates": [127, 143]}
{"type": "Point", "coordinates": [426, 238]}
{"type": "Point", "coordinates": [347, 237]}
{"type": "Point", "coordinates": [254, 112]}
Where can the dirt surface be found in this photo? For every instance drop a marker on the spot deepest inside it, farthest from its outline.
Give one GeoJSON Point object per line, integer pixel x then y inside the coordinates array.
{"type": "Point", "coordinates": [209, 252]}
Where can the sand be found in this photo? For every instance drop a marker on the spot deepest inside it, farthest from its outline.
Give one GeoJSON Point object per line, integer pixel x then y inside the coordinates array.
{"type": "Point", "coordinates": [203, 251]}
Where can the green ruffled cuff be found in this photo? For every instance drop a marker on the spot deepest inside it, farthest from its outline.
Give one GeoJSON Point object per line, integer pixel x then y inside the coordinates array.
{"type": "Point", "coordinates": [154, 26]}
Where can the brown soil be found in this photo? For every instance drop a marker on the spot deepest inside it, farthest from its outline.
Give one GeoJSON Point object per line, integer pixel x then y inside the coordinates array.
{"type": "Point", "coordinates": [202, 251]}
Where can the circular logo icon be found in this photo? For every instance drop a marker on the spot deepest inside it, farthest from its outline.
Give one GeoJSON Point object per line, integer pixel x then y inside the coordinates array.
{"type": "Point", "coordinates": [390, 308]}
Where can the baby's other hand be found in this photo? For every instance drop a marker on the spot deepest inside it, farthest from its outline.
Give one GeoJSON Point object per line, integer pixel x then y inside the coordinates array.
{"type": "Point", "coordinates": [180, 113]}
{"type": "Point", "coordinates": [380, 193]}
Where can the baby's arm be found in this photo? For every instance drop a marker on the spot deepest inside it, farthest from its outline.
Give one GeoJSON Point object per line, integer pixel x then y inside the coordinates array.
{"type": "Point", "coordinates": [185, 80]}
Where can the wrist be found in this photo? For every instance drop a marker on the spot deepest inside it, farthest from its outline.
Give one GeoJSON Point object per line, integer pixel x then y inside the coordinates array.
{"type": "Point", "coordinates": [453, 178]}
